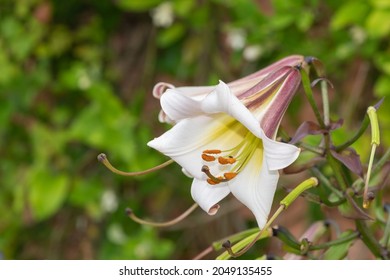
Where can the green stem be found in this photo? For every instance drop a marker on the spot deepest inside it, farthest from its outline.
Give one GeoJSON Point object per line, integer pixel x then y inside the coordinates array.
{"type": "Point", "coordinates": [366, 201]}
{"type": "Point", "coordinates": [310, 148]}
{"type": "Point", "coordinates": [341, 240]}
{"type": "Point", "coordinates": [358, 134]}
{"type": "Point", "coordinates": [309, 94]}
{"type": "Point", "coordinates": [359, 183]}
{"type": "Point", "coordinates": [243, 243]}
{"type": "Point", "coordinates": [381, 162]}
{"type": "Point", "coordinates": [236, 237]}
{"type": "Point", "coordinates": [370, 241]}
{"type": "Point", "coordinates": [386, 235]}
{"type": "Point", "coordinates": [334, 164]}
{"type": "Point", "coordinates": [337, 171]}
{"type": "Point", "coordinates": [326, 182]}
{"type": "Point", "coordinates": [286, 237]}
{"type": "Point", "coordinates": [325, 101]}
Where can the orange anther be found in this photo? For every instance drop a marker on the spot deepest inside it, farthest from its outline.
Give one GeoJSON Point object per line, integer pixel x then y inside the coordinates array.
{"type": "Point", "coordinates": [229, 175]}
{"type": "Point", "coordinates": [212, 182]}
{"type": "Point", "coordinates": [208, 157]}
{"type": "Point", "coordinates": [212, 151]}
{"type": "Point", "coordinates": [226, 160]}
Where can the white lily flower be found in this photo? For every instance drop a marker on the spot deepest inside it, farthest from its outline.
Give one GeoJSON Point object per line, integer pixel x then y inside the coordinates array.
{"type": "Point", "coordinates": [224, 136]}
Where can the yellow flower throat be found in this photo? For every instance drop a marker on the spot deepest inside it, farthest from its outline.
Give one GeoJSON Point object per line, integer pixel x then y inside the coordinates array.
{"type": "Point", "coordinates": [235, 159]}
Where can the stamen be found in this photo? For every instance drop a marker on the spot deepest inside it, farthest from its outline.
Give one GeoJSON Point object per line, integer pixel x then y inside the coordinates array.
{"type": "Point", "coordinates": [226, 160]}
{"type": "Point", "coordinates": [229, 175]}
{"type": "Point", "coordinates": [208, 157]}
{"type": "Point", "coordinates": [103, 159]}
{"type": "Point", "coordinates": [212, 151]}
{"type": "Point", "coordinates": [212, 182]}
{"type": "Point", "coordinates": [215, 180]}
{"type": "Point", "coordinates": [132, 216]}
{"type": "Point", "coordinates": [237, 157]}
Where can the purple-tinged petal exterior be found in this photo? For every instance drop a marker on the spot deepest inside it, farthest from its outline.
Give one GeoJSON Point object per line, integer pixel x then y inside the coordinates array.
{"type": "Point", "coordinates": [278, 155]}
{"type": "Point", "coordinates": [292, 60]}
{"type": "Point", "coordinates": [278, 106]}
{"type": "Point", "coordinates": [241, 87]}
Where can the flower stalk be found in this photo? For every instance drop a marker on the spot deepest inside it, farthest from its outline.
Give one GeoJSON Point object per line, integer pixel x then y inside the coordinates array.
{"type": "Point", "coordinates": [309, 94]}
{"type": "Point", "coordinates": [386, 234]}
{"type": "Point", "coordinates": [325, 102]}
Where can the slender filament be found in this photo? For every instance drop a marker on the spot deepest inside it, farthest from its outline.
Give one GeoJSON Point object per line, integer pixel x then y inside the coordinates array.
{"type": "Point", "coordinates": [103, 159]}
{"type": "Point", "coordinates": [176, 220]}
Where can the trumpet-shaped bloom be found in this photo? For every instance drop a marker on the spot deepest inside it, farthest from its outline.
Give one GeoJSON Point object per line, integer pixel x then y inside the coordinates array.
{"type": "Point", "coordinates": [224, 136]}
{"type": "Point", "coordinates": [237, 87]}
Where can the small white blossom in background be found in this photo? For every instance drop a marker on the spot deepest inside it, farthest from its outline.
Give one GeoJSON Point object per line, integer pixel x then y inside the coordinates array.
{"type": "Point", "coordinates": [84, 81]}
{"type": "Point", "coordinates": [109, 201]}
{"type": "Point", "coordinates": [116, 234]}
{"type": "Point", "coordinates": [358, 34]}
{"type": "Point", "coordinates": [252, 52]}
{"type": "Point", "coordinates": [162, 15]}
{"type": "Point", "coordinates": [236, 39]}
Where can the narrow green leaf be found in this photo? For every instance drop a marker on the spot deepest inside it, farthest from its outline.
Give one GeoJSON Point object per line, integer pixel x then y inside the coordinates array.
{"type": "Point", "coordinates": [340, 251]}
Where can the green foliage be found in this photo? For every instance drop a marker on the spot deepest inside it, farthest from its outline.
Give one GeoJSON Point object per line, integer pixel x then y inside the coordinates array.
{"type": "Point", "coordinates": [339, 252]}
{"type": "Point", "coordinates": [76, 80]}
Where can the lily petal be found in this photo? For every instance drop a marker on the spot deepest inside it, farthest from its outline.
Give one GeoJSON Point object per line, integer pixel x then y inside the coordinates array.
{"type": "Point", "coordinates": [185, 102]}
{"type": "Point", "coordinates": [186, 141]}
{"type": "Point", "coordinates": [160, 88]}
{"type": "Point", "coordinates": [208, 196]}
{"type": "Point", "coordinates": [239, 87]}
{"type": "Point", "coordinates": [222, 100]}
{"type": "Point", "coordinates": [255, 187]}
{"type": "Point", "coordinates": [178, 106]}
{"type": "Point", "coordinates": [279, 155]}
{"type": "Point", "coordinates": [291, 60]}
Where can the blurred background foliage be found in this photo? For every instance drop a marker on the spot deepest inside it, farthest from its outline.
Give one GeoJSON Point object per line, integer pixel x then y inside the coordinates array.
{"type": "Point", "coordinates": [76, 78]}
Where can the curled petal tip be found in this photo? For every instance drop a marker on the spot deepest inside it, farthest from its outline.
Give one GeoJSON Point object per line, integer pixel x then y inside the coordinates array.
{"type": "Point", "coordinates": [160, 88]}
{"type": "Point", "coordinates": [213, 210]}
